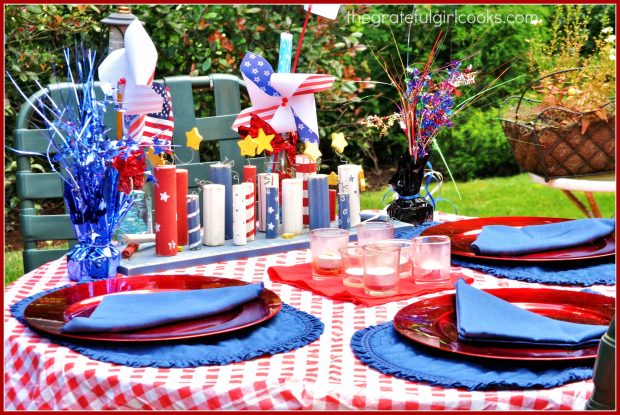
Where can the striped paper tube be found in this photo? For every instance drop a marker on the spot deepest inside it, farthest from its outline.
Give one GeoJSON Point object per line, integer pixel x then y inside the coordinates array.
{"type": "Point", "coordinates": [213, 217]}
{"type": "Point", "coordinates": [318, 200]}
{"type": "Point", "coordinates": [344, 217]}
{"type": "Point", "coordinates": [182, 186]}
{"type": "Point", "coordinates": [193, 222]}
{"type": "Point", "coordinates": [250, 210]}
{"type": "Point", "coordinates": [348, 182]}
{"type": "Point", "coordinates": [239, 208]}
{"type": "Point", "coordinates": [304, 168]}
{"type": "Point", "coordinates": [286, 50]}
{"type": "Point", "coordinates": [165, 190]}
{"type": "Point", "coordinates": [292, 205]}
{"type": "Point", "coordinates": [222, 174]}
{"type": "Point", "coordinates": [263, 180]}
{"type": "Point", "coordinates": [333, 194]}
{"type": "Point", "coordinates": [273, 212]}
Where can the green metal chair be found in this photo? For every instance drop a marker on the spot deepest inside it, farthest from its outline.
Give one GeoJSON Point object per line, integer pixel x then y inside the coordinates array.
{"type": "Point", "coordinates": [32, 186]}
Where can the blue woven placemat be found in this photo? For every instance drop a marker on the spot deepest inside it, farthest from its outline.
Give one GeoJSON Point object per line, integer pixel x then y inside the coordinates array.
{"type": "Point", "coordinates": [384, 349]}
{"type": "Point", "coordinates": [568, 273]}
{"type": "Point", "coordinates": [290, 329]}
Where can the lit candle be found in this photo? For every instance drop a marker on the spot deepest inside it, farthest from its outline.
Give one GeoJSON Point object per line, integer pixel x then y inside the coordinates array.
{"type": "Point", "coordinates": [182, 185]}
{"type": "Point", "coordinates": [292, 201]}
{"type": "Point", "coordinates": [165, 210]}
{"type": "Point", "coordinates": [348, 182]}
{"type": "Point", "coordinates": [344, 218]}
{"type": "Point", "coordinates": [239, 209]}
{"type": "Point", "coordinates": [250, 210]}
{"type": "Point", "coordinates": [222, 174]}
{"type": "Point", "coordinates": [263, 180]}
{"type": "Point", "coordinates": [193, 222]}
{"type": "Point", "coordinates": [381, 279]}
{"type": "Point", "coordinates": [318, 201]}
{"type": "Point", "coordinates": [273, 213]}
{"type": "Point", "coordinates": [213, 217]}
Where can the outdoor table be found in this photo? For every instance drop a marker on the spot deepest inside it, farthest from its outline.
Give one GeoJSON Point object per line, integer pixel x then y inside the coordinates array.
{"type": "Point", "coordinates": [325, 375]}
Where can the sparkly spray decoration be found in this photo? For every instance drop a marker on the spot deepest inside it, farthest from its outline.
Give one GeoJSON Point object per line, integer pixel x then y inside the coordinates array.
{"type": "Point", "coordinates": [344, 217]}
{"type": "Point", "coordinates": [250, 210]}
{"type": "Point", "coordinates": [318, 199]}
{"type": "Point", "coordinates": [193, 222]}
{"type": "Point", "coordinates": [213, 217]}
{"type": "Point", "coordinates": [273, 213]}
{"type": "Point", "coordinates": [182, 186]}
{"type": "Point", "coordinates": [239, 209]}
{"type": "Point", "coordinates": [221, 173]}
{"type": "Point", "coordinates": [165, 190]}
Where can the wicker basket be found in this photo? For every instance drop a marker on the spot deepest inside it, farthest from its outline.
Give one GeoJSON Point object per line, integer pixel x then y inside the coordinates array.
{"type": "Point", "coordinates": [552, 145]}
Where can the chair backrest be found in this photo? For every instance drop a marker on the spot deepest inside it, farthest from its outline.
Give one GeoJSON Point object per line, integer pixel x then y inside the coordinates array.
{"type": "Point", "coordinates": [33, 186]}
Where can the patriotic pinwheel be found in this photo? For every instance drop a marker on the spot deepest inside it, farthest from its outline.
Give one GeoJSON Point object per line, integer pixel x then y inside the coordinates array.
{"type": "Point", "coordinates": [284, 100]}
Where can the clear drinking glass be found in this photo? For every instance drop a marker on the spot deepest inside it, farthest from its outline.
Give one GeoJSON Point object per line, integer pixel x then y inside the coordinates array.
{"type": "Point", "coordinates": [405, 267]}
{"type": "Point", "coordinates": [325, 245]}
{"type": "Point", "coordinates": [369, 232]}
{"type": "Point", "coordinates": [353, 266]}
{"type": "Point", "coordinates": [431, 259]}
{"type": "Point", "coordinates": [381, 274]}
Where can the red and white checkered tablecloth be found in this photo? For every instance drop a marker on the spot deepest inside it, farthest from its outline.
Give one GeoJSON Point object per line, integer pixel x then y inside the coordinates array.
{"type": "Point", "coordinates": [324, 375]}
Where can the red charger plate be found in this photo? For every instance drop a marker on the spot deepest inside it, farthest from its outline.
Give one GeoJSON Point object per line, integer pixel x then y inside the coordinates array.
{"type": "Point", "coordinates": [463, 233]}
{"type": "Point", "coordinates": [432, 322]}
{"type": "Point", "coordinates": [51, 311]}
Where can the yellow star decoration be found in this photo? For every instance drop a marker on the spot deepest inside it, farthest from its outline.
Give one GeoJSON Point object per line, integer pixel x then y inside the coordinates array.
{"type": "Point", "coordinates": [264, 141]}
{"type": "Point", "coordinates": [339, 142]}
{"type": "Point", "coordinates": [193, 138]}
{"type": "Point", "coordinates": [362, 181]}
{"type": "Point", "coordinates": [332, 179]}
{"type": "Point", "coordinates": [312, 150]}
{"type": "Point", "coordinates": [248, 146]}
{"type": "Point", "coordinates": [155, 159]}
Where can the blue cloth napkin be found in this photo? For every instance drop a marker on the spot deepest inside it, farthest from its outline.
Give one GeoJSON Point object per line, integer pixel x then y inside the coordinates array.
{"type": "Point", "coordinates": [384, 349]}
{"type": "Point", "coordinates": [508, 240]}
{"type": "Point", "coordinates": [568, 273]}
{"type": "Point", "coordinates": [483, 317]}
{"type": "Point", "coordinates": [126, 312]}
{"type": "Point", "coordinates": [288, 330]}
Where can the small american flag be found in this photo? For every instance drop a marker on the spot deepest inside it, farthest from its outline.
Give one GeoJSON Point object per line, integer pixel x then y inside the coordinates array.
{"type": "Point", "coordinates": [155, 125]}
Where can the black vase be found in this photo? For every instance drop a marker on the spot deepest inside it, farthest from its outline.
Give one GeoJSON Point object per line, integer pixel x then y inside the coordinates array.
{"type": "Point", "coordinates": [410, 207]}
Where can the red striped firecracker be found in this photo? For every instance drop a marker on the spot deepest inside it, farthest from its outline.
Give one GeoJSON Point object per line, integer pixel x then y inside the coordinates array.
{"type": "Point", "coordinates": [250, 212]}
{"type": "Point", "coordinates": [304, 168]}
{"type": "Point", "coordinates": [165, 196]}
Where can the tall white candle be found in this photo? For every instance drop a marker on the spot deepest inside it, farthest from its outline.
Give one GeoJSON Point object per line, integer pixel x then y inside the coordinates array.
{"type": "Point", "coordinates": [348, 182]}
{"type": "Point", "coordinates": [250, 210]}
{"type": "Point", "coordinates": [264, 180]}
{"type": "Point", "coordinates": [292, 206]}
{"type": "Point", "coordinates": [238, 214]}
{"type": "Point", "coordinates": [213, 216]}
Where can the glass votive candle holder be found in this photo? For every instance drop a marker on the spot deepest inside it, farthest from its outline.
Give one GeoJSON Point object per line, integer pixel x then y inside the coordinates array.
{"type": "Point", "coordinates": [325, 245]}
{"type": "Point", "coordinates": [431, 259]}
{"type": "Point", "coordinates": [381, 274]}
{"type": "Point", "coordinates": [370, 232]}
{"type": "Point", "coordinates": [352, 266]}
{"type": "Point", "coordinates": [405, 267]}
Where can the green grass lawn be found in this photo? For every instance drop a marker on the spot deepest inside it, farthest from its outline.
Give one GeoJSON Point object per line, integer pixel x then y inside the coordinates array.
{"type": "Point", "coordinates": [505, 196]}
